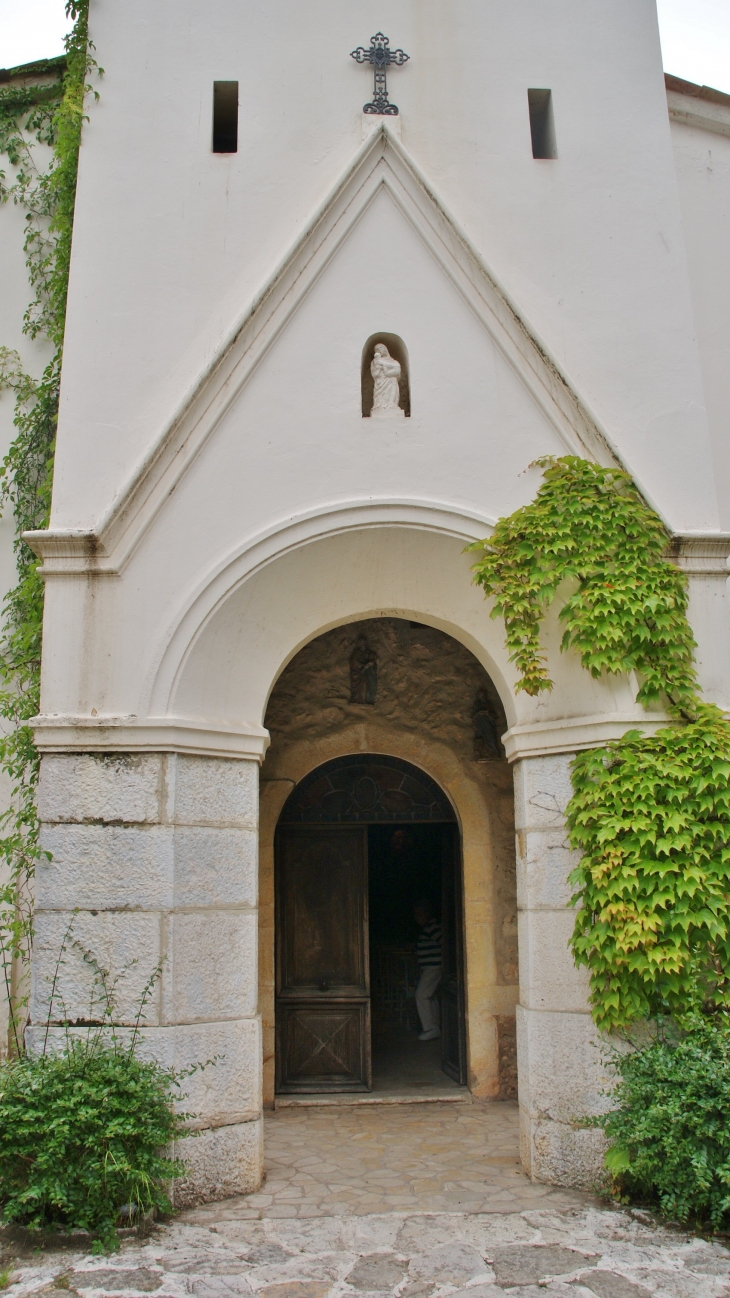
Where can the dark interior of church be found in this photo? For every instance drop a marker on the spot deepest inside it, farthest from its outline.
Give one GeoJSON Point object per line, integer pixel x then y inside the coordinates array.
{"type": "Point", "coordinates": [405, 866]}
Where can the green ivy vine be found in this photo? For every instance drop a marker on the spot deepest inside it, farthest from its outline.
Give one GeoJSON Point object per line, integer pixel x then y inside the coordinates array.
{"type": "Point", "coordinates": [628, 610]}
{"type": "Point", "coordinates": [649, 814]}
{"type": "Point", "coordinates": [52, 116]}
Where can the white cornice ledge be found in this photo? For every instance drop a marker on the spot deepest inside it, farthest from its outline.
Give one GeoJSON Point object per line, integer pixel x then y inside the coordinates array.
{"type": "Point", "coordinates": [702, 552]}
{"type": "Point", "coordinates": [63, 733]}
{"type": "Point", "coordinates": [64, 550]}
{"type": "Point", "coordinates": [690, 110]}
{"type": "Point", "coordinates": [571, 734]}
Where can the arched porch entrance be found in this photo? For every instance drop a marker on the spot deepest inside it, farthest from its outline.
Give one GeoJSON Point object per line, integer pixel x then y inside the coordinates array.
{"type": "Point", "coordinates": [361, 843]}
{"type": "Point", "coordinates": [414, 696]}
{"type": "Point", "coordinates": [161, 816]}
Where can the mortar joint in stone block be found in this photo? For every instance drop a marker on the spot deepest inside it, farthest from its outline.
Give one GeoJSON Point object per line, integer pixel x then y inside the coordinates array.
{"type": "Point", "coordinates": [214, 1122]}
{"type": "Point", "coordinates": [226, 908]}
{"type": "Point", "coordinates": [98, 822]}
{"type": "Point", "coordinates": [525, 908]}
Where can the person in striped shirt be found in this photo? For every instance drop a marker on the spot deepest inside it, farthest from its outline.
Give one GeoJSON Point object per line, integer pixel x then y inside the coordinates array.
{"type": "Point", "coordinates": [428, 956]}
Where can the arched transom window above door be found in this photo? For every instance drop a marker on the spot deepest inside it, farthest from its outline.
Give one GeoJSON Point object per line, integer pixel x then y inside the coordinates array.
{"type": "Point", "coordinates": [361, 790]}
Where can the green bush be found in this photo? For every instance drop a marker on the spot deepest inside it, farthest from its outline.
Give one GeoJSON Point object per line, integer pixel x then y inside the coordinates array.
{"type": "Point", "coordinates": [670, 1134]}
{"type": "Point", "coordinates": [81, 1135]}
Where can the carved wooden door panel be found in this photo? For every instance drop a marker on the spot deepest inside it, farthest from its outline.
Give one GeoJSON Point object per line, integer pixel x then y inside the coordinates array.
{"type": "Point", "coordinates": [322, 965]}
{"type": "Point", "coordinates": [453, 1024]}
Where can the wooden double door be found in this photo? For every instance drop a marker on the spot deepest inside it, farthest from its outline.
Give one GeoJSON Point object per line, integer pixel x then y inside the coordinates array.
{"type": "Point", "coordinates": [323, 1038]}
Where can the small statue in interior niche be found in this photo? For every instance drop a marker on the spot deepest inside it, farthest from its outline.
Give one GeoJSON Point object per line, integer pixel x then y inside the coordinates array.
{"type": "Point", "coordinates": [363, 672]}
{"type": "Point", "coordinates": [385, 370]}
{"type": "Point", "coordinates": [486, 736]}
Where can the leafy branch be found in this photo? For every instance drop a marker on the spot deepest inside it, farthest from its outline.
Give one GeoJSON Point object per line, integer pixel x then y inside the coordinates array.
{"type": "Point", "coordinates": [649, 814]}
{"type": "Point", "coordinates": [33, 120]}
{"type": "Point", "coordinates": [629, 610]}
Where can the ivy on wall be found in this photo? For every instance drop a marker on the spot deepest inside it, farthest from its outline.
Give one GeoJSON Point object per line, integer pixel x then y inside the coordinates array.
{"type": "Point", "coordinates": [651, 817]}
{"type": "Point", "coordinates": [628, 611]}
{"type": "Point", "coordinates": [50, 115]}
{"type": "Point", "coordinates": [650, 814]}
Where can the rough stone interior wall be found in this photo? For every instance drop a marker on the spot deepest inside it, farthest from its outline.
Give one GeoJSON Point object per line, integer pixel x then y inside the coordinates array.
{"type": "Point", "coordinates": [507, 1038]}
{"type": "Point", "coordinates": [428, 687]}
{"type": "Point", "coordinates": [427, 682]}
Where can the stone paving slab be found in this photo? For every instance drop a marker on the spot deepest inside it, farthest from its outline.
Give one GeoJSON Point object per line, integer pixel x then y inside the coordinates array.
{"type": "Point", "coordinates": [544, 1241]}
{"type": "Point", "coordinates": [427, 1157]}
{"type": "Point", "coordinates": [584, 1252]}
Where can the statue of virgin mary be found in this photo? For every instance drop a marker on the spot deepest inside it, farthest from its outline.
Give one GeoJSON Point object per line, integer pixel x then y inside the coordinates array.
{"type": "Point", "coordinates": [386, 387]}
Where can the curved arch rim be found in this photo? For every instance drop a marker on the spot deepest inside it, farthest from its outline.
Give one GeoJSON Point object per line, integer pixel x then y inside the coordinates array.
{"type": "Point", "coordinates": [263, 548]}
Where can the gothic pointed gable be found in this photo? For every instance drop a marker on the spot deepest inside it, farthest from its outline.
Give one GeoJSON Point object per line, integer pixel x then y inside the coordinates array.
{"type": "Point", "coordinates": [381, 178]}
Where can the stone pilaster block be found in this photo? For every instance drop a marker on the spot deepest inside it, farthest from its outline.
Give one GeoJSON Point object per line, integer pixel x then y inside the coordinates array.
{"type": "Point", "coordinates": [124, 943]}
{"type": "Point", "coordinates": [215, 867]}
{"type": "Point", "coordinates": [549, 979]}
{"type": "Point", "coordinates": [116, 786]}
{"type": "Point", "coordinates": [103, 867]}
{"type": "Point", "coordinates": [564, 1077]}
{"type": "Point", "coordinates": [213, 791]}
{"type": "Point", "coordinates": [558, 1154]}
{"type": "Point", "coordinates": [221, 1162]}
{"type": "Point", "coordinates": [544, 862]}
{"type": "Point", "coordinates": [212, 970]}
{"type": "Point", "coordinates": [158, 856]}
{"type": "Point", "coordinates": [564, 1066]}
{"type": "Point", "coordinates": [542, 791]}
{"type": "Point", "coordinates": [226, 1090]}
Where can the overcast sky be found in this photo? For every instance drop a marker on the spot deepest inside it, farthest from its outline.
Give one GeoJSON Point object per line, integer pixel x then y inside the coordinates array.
{"type": "Point", "coordinates": [695, 36]}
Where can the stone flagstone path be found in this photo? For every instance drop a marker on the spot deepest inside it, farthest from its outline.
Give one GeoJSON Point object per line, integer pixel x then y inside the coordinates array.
{"type": "Point", "coordinates": [379, 1158]}
{"type": "Point", "coordinates": [421, 1201]}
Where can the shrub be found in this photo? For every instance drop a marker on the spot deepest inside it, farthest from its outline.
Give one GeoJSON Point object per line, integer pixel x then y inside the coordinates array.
{"type": "Point", "coordinates": [81, 1134]}
{"type": "Point", "coordinates": [670, 1134]}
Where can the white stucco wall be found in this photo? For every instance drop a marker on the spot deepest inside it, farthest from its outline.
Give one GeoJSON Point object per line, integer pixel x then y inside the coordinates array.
{"type": "Point", "coordinates": [702, 158]}
{"type": "Point", "coordinates": [169, 252]}
{"type": "Point", "coordinates": [186, 261]}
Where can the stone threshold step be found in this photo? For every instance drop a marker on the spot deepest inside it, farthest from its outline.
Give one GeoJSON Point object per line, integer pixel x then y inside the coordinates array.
{"type": "Point", "coordinates": [460, 1096]}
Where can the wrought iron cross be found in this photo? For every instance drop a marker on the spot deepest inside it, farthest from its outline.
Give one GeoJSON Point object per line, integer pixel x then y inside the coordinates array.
{"type": "Point", "coordinates": [381, 56]}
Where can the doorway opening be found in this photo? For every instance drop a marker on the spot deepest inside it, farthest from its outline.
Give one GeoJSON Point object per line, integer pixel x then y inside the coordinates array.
{"type": "Point", "coordinates": [361, 842]}
{"type": "Point", "coordinates": [410, 866]}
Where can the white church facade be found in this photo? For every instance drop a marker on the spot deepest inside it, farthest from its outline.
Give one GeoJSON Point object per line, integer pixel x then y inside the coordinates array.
{"type": "Point", "coordinates": [311, 354]}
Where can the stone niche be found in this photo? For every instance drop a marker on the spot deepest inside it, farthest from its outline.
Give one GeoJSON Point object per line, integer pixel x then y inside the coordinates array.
{"type": "Point", "coordinates": [430, 702]}
{"type": "Point", "coordinates": [398, 351]}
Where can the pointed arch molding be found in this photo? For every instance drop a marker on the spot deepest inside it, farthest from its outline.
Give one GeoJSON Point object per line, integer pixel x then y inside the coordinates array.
{"type": "Point", "coordinates": [382, 162]}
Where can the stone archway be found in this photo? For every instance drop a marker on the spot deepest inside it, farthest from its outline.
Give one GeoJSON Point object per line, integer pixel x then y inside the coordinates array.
{"type": "Point", "coordinates": [152, 814]}
{"type": "Point", "coordinates": [432, 706]}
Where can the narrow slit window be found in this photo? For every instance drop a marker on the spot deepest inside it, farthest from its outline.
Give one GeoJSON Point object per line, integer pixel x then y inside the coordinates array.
{"type": "Point", "coordinates": [542, 123]}
{"type": "Point", "coordinates": [225, 116]}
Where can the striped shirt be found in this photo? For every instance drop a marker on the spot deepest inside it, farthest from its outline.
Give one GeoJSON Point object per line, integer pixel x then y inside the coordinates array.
{"type": "Point", "coordinates": [428, 946]}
